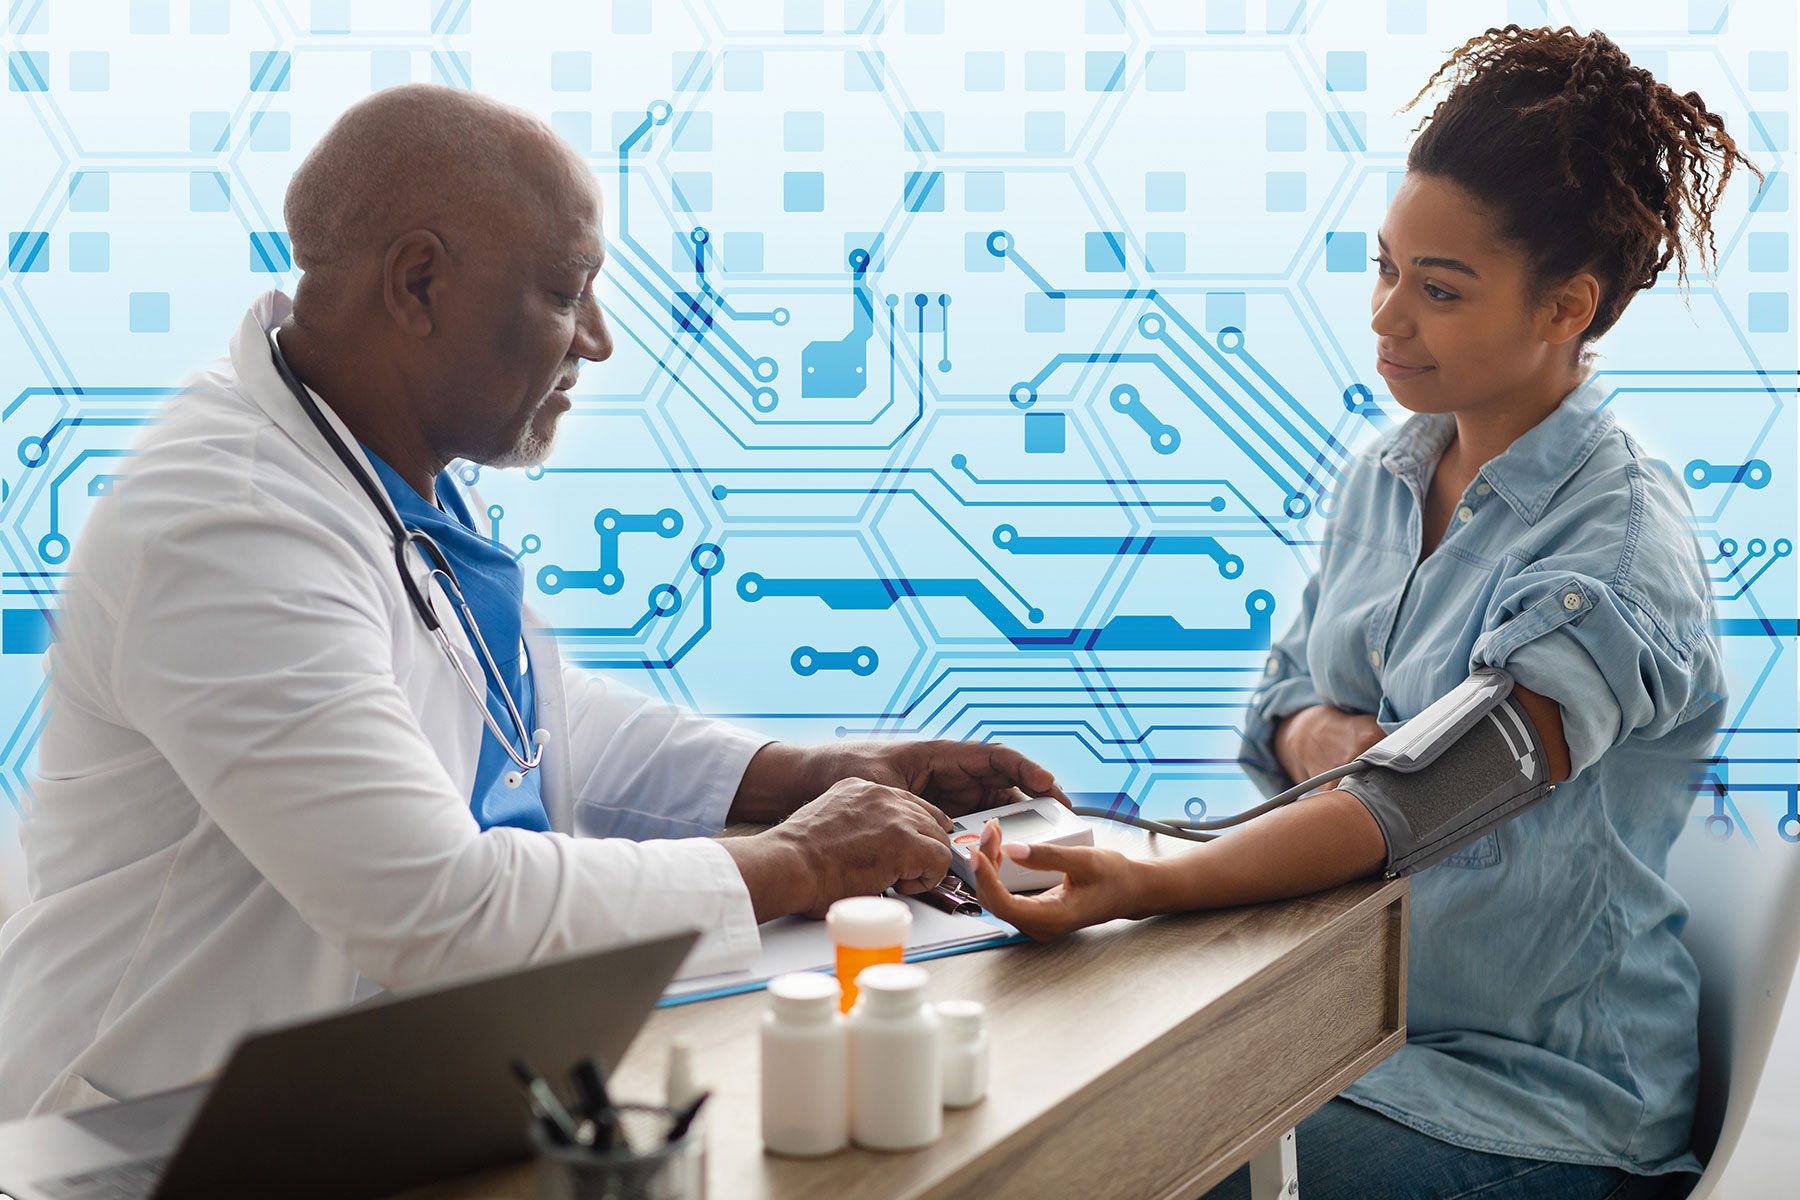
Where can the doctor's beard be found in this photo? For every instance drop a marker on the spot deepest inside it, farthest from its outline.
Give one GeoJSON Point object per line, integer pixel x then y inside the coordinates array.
{"type": "Point", "coordinates": [537, 437]}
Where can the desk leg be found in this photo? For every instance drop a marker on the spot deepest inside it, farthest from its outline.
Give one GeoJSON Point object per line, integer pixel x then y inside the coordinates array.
{"type": "Point", "coordinates": [1275, 1172]}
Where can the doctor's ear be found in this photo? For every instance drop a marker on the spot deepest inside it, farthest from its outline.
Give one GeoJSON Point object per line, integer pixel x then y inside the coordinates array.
{"type": "Point", "coordinates": [411, 273]}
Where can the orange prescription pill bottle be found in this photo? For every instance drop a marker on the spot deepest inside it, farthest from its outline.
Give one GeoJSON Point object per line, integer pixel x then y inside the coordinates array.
{"type": "Point", "coordinates": [866, 930]}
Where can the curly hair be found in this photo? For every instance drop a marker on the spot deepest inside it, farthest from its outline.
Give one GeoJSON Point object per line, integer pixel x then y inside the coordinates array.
{"type": "Point", "coordinates": [1589, 163]}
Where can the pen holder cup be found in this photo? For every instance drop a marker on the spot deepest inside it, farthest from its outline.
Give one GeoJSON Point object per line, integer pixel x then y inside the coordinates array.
{"type": "Point", "coordinates": [641, 1166]}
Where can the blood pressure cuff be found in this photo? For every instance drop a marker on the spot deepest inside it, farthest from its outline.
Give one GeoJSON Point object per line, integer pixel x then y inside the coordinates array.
{"type": "Point", "coordinates": [1492, 772]}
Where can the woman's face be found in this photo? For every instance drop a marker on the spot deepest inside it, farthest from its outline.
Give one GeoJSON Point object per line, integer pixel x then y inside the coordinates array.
{"type": "Point", "coordinates": [1457, 325]}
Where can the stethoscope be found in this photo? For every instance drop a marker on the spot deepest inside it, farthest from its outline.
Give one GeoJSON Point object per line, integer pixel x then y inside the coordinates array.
{"type": "Point", "coordinates": [440, 570]}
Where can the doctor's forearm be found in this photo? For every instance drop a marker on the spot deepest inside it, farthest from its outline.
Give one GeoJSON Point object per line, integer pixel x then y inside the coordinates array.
{"type": "Point", "coordinates": [1316, 842]}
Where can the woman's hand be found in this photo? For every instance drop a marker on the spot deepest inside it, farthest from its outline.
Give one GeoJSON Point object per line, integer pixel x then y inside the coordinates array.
{"type": "Point", "coordinates": [1316, 739]}
{"type": "Point", "coordinates": [1098, 885]}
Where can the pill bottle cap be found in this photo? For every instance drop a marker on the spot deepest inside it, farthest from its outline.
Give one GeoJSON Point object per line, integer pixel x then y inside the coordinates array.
{"type": "Point", "coordinates": [891, 987]}
{"type": "Point", "coordinates": [961, 1018]}
{"type": "Point", "coordinates": [804, 995]}
{"type": "Point", "coordinates": [869, 922]}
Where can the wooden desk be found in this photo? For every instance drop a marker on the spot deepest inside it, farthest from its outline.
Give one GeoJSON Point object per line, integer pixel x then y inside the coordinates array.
{"type": "Point", "coordinates": [1135, 1059]}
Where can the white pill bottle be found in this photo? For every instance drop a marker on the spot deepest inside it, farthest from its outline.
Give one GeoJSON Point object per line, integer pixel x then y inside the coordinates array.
{"type": "Point", "coordinates": [896, 1082]}
{"type": "Point", "coordinates": [805, 1068]}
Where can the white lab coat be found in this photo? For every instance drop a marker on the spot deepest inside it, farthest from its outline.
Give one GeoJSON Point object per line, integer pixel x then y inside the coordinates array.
{"type": "Point", "coordinates": [254, 779]}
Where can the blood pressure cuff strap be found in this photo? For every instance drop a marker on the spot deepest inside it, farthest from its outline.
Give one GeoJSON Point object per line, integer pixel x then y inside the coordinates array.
{"type": "Point", "coordinates": [1493, 772]}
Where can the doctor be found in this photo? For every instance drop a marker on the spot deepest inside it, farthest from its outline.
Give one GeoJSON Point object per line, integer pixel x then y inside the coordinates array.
{"type": "Point", "coordinates": [267, 787]}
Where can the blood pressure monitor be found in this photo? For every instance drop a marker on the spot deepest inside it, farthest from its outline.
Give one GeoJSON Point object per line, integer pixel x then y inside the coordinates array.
{"type": "Point", "coordinates": [1034, 822]}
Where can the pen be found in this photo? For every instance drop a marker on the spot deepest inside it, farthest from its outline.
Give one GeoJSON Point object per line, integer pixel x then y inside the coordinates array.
{"type": "Point", "coordinates": [589, 1078]}
{"type": "Point", "coordinates": [548, 1108]}
{"type": "Point", "coordinates": [686, 1119]}
{"type": "Point", "coordinates": [944, 899]}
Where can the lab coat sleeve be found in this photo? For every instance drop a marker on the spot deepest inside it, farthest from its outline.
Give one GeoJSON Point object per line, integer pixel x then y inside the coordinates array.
{"type": "Point", "coordinates": [1286, 688]}
{"type": "Point", "coordinates": [644, 769]}
{"type": "Point", "coordinates": [254, 649]}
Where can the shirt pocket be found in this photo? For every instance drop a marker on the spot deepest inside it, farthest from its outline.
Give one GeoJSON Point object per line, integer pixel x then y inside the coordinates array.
{"type": "Point", "coordinates": [1478, 855]}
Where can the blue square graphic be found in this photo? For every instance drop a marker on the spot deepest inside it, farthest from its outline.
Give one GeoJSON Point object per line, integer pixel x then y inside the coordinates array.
{"type": "Point", "coordinates": [1768, 70]}
{"type": "Point", "coordinates": [25, 631]}
{"type": "Point", "coordinates": [976, 256]}
{"type": "Point", "coordinates": [271, 252]}
{"type": "Point", "coordinates": [803, 191]}
{"type": "Point", "coordinates": [694, 132]}
{"type": "Point", "coordinates": [90, 71]}
{"type": "Point", "coordinates": [1104, 16]}
{"type": "Point", "coordinates": [1708, 16]}
{"type": "Point", "coordinates": [149, 312]}
{"type": "Point", "coordinates": [1406, 16]}
{"type": "Point", "coordinates": [1284, 131]}
{"type": "Point", "coordinates": [743, 252]}
{"type": "Point", "coordinates": [271, 70]}
{"type": "Point", "coordinates": [1165, 191]}
{"type": "Point", "coordinates": [864, 16]}
{"type": "Point", "coordinates": [1043, 314]}
{"type": "Point", "coordinates": [1346, 71]}
{"type": "Point", "coordinates": [1768, 312]}
{"type": "Point", "coordinates": [1105, 252]}
{"type": "Point", "coordinates": [90, 191]}
{"type": "Point", "coordinates": [984, 71]}
{"type": "Point", "coordinates": [1105, 70]}
{"type": "Point", "coordinates": [1346, 253]}
{"type": "Point", "coordinates": [1768, 130]}
{"type": "Point", "coordinates": [743, 70]}
{"type": "Point", "coordinates": [1773, 195]}
{"type": "Point", "coordinates": [631, 16]}
{"type": "Point", "coordinates": [865, 72]}
{"type": "Point", "coordinates": [693, 190]}
{"type": "Point", "coordinates": [271, 131]}
{"type": "Point", "coordinates": [389, 68]}
{"type": "Point", "coordinates": [1768, 252]}
{"type": "Point", "coordinates": [575, 128]}
{"type": "Point", "coordinates": [1165, 251]}
{"type": "Point", "coordinates": [209, 16]}
{"type": "Point", "coordinates": [1347, 130]}
{"type": "Point", "coordinates": [690, 70]}
{"type": "Point", "coordinates": [1044, 70]}
{"type": "Point", "coordinates": [984, 191]}
{"type": "Point", "coordinates": [1166, 71]}
{"type": "Point", "coordinates": [28, 71]}
{"type": "Point", "coordinates": [208, 191]}
{"type": "Point", "coordinates": [1225, 16]}
{"type": "Point", "coordinates": [30, 18]}
{"type": "Point", "coordinates": [1286, 16]}
{"type": "Point", "coordinates": [90, 252]}
{"type": "Point", "coordinates": [1044, 132]}
{"type": "Point", "coordinates": [683, 251]}
{"type": "Point", "coordinates": [209, 132]}
{"type": "Point", "coordinates": [1285, 191]}
{"type": "Point", "coordinates": [803, 16]}
{"type": "Point", "coordinates": [924, 191]}
{"type": "Point", "coordinates": [27, 252]}
{"type": "Point", "coordinates": [924, 131]}
{"type": "Point", "coordinates": [924, 16]}
{"type": "Point", "coordinates": [149, 16]}
{"type": "Point", "coordinates": [1226, 310]}
{"type": "Point", "coordinates": [571, 71]}
{"type": "Point", "coordinates": [803, 131]}
{"type": "Point", "coordinates": [450, 68]}
{"type": "Point", "coordinates": [1045, 433]}
{"type": "Point", "coordinates": [331, 16]}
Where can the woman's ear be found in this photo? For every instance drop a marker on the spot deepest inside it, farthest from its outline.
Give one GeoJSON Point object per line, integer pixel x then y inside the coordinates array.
{"type": "Point", "coordinates": [1569, 308]}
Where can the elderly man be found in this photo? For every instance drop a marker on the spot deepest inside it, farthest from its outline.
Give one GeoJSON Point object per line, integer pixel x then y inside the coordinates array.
{"type": "Point", "coordinates": [267, 785]}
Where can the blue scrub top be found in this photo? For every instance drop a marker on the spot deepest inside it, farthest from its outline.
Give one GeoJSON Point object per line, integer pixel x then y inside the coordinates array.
{"type": "Point", "coordinates": [494, 586]}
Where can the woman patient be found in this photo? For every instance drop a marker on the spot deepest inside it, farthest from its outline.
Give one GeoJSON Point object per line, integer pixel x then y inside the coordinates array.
{"type": "Point", "coordinates": [1511, 522]}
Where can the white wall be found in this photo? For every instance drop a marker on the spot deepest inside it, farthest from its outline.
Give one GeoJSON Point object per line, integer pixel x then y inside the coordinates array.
{"type": "Point", "coordinates": [1767, 1162]}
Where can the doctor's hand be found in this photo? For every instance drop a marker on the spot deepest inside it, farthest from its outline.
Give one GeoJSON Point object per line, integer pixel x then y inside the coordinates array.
{"type": "Point", "coordinates": [955, 777]}
{"type": "Point", "coordinates": [1097, 885]}
{"type": "Point", "coordinates": [858, 839]}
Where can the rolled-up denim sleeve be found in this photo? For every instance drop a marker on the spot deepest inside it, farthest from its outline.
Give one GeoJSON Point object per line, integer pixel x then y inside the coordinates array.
{"type": "Point", "coordinates": [1617, 666]}
{"type": "Point", "coordinates": [1285, 689]}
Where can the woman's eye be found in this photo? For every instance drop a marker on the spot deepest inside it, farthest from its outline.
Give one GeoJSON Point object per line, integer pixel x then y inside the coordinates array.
{"type": "Point", "coordinates": [1381, 266]}
{"type": "Point", "coordinates": [1438, 293]}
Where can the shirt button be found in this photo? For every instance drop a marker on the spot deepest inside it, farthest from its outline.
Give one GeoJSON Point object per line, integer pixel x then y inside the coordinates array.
{"type": "Point", "coordinates": [1464, 513]}
{"type": "Point", "coordinates": [1482, 488]}
{"type": "Point", "coordinates": [1374, 658]}
{"type": "Point", "coordinates": [1272, 665]}
{"type": "Point", "coordinates": [1572, 601]}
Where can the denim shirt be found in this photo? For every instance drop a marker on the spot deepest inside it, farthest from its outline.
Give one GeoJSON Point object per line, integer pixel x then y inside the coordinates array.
{"type": "Point", "coordinates": [1551, 1008]}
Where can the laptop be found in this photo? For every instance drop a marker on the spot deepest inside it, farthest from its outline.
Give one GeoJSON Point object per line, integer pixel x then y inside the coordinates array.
{"type": "Point", "coordinates": [399, 1092]}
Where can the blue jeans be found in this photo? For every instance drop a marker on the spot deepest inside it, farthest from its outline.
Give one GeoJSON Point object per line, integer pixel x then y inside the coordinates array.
{"type": "Point", "coordinates": [1348, 1152]}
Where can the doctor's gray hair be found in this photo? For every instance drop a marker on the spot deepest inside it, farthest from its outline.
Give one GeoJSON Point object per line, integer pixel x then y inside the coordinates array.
{"type": "Point", "coordinates": [417, 156]}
